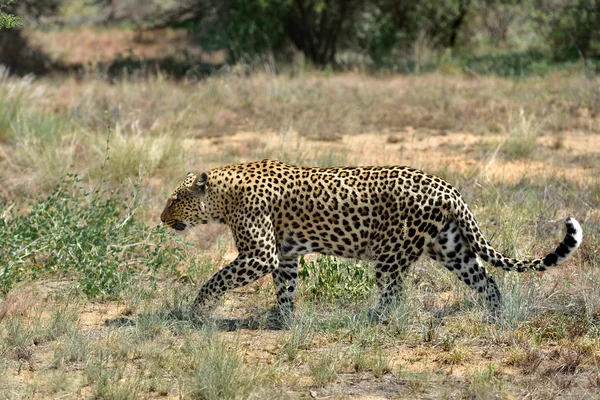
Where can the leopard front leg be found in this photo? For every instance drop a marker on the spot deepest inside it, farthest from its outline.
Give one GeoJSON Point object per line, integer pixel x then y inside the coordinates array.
{"type": "Point", "coordinates": [242, 271]}
{"type": "Point", "coordinates": [257, 257]}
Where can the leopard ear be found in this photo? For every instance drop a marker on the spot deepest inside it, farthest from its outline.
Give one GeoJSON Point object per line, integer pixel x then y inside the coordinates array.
{"type": "Point", "coordinates": [198, 183]}
{"type": "Point", "coordinates": [201, 179]}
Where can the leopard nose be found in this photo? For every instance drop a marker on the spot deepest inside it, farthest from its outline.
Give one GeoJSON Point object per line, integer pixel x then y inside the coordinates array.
{"type": "Point", "coordinates": [163, 216]}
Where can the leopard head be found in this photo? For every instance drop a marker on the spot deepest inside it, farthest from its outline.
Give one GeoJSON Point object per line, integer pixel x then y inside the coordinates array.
{"type": "Point", "coordinates": [189, 204]}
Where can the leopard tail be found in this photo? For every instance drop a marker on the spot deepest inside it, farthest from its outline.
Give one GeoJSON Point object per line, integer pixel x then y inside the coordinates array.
{"type": "Point", "coordinates": [484, 249]}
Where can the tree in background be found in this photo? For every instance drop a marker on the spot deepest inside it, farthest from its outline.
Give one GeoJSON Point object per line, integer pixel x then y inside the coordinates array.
{"type": "Point", "coordinates": [247, 29]}
{"type": "Point", "coordinates": [315, 26]}
{"type": "Point", "coordinates": [499, 15]}
{"type": "Point", "coordinates": [389, 26]}
{"type": "Point", "coordinates": [16, 53]}
{"type": "Point", "coordinates": [318, 28]}
{"type": "Point", "coordinates": [574, 26]}
{"type": "Point", "coordinates": [382, 30]}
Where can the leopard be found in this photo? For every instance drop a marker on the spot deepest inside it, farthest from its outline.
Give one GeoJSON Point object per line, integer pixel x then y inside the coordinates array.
{"type": "Point", "coordinates": [387, 215]}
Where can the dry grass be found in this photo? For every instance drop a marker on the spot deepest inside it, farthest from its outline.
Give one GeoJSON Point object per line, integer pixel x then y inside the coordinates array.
{"type": "Point", "coordinates": [18, 303]}
{"type": "Point", "coordinates": [324, 107]}
{"type": "Point", "coordinates": [437, 343]}
{"type": "Point", "coordinates": [161, 126]}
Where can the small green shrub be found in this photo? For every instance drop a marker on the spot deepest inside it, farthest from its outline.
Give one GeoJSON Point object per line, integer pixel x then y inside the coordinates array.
{"type": "Point", "coordinates": [327, 278]}
{"type": "Point", "coordinates": [93, 234]}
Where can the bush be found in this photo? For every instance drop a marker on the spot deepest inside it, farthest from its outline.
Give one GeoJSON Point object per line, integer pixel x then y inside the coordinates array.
{"type": "Point", "coordinates": [92, 234]}
{"type": "Point", "coordinates": [327, 278]}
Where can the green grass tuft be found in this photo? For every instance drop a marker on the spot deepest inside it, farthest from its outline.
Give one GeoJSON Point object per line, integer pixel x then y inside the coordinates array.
{"type": "Point", "coordinates": [220, 372]}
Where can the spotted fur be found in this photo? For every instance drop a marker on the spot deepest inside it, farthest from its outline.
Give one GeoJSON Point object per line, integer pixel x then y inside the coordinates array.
{"type": "Point", "coordinates": [390, 215]}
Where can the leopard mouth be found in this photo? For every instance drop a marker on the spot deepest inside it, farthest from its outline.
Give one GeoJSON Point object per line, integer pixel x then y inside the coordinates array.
{"type": "Point", "coordinates": [178, 225]}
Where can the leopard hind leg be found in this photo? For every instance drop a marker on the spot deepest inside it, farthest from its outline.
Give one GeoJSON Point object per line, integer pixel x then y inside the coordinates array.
{"type": "Point", "coordinates": [452, 249]}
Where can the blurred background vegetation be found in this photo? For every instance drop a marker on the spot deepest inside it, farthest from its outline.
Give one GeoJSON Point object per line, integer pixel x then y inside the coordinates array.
{"type": "Point", "coordinates": [504, 37]}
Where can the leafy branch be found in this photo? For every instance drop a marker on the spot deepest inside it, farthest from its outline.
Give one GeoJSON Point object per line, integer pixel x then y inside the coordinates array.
{"type": "Point", "coordinates": [8, 20]}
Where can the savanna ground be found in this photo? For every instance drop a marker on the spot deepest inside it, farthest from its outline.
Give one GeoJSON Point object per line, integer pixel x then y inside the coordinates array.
{"type": "Point", "coordinates": [96, 293]}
